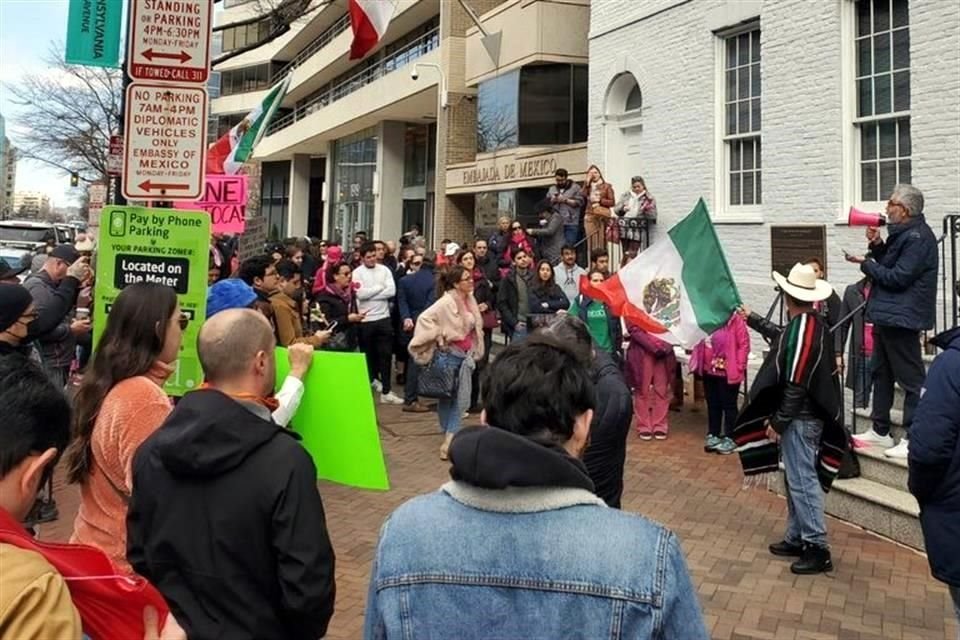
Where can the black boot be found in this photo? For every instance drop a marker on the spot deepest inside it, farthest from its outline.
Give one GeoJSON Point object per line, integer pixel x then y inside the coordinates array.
{"type": "Point", "coordinates": [814, 560]}
{"type": "Point", "coordinates": [784, 548]}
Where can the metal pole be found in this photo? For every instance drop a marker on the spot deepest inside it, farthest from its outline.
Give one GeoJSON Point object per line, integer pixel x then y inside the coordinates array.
{"type": "Point", "coordinates": [118, 197]}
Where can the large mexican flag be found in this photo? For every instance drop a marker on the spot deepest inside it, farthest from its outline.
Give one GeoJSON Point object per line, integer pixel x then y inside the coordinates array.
{"type": "Point", "coordinates": [680, 289]}
{"type": "Point", "coordinates": [235, 147]}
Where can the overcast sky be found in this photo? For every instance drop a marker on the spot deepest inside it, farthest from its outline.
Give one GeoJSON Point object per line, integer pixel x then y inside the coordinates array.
{"type": "Point", "coordinates": [26, 29]}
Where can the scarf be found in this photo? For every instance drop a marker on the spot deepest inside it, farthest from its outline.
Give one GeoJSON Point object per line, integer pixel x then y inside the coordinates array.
{"type": "Point", "coordinates": [271, 404]}
{"type": "Point", "coordinates": [343, 294]}
{"type": "Point", "coordinates": [803, 355]}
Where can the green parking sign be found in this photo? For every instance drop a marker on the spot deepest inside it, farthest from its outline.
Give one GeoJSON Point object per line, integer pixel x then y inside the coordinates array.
{"type": "Point", "coordinates": [165, 246]}
{"type": "Point", "coordinates": [93, 32]}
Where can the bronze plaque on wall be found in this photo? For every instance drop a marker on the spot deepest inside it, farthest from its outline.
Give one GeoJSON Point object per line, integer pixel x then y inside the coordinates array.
{"type": "Point", "coordinates": [790, 244]}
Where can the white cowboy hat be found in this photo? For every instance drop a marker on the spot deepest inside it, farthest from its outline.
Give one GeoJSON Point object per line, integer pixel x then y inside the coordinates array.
{"type": "Point", "coordinates": [803, 284]}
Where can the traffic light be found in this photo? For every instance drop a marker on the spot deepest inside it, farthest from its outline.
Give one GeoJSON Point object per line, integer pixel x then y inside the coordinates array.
{"type": "Point", "coordinates": [74, 179]}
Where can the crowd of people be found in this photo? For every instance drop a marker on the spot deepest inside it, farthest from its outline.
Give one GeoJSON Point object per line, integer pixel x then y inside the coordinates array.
{"type": "Point", "coordinates": [166, 488]}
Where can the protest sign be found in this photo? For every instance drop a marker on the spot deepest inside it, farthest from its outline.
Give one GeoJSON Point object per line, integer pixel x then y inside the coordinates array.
{"type": "Point", "coordinates": [165, 246]}
{"type": "Point", "coordinates": [337, 420]}
{"type": "Point", "coordinates": [225, 199]}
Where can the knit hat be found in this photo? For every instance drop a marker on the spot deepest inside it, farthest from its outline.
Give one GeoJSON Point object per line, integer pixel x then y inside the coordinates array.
{"type": "Point", "coordinates": [14, 300]}
{"type": "Point", "coordinates": [65, 252]}
{"type": "Point", "coordinates": [334, 254]}
{"type": "Point", "coordinates": [232, 293]}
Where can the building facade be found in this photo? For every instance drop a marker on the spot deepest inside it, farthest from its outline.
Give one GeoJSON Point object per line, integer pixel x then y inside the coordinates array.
{"type": "Point", "coordinates": [8, 172]}
{"type": "Point", "coordinates": [31, 205]}
{"type": "Point", "coordinates": [430, 128]}
{"type": "Point", "coordinates": [780, 115]}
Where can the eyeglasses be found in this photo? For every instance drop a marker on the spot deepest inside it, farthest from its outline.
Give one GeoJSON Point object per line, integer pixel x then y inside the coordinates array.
{"type": "Point", "coordinates": [184, 321]}
{"type": "Point", "coordinates": [417, 263]}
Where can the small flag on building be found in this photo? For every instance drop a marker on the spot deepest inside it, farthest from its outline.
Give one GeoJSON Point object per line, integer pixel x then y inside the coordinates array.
{"type": "Point", "coordinates": [369, 20]}
{"type": "Point", "coordinates": [235, 147]}
{"type": "Point", "coordinates": [680, 289]}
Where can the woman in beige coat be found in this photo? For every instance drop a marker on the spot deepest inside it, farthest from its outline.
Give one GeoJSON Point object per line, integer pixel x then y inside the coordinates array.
{"type": "Point", "coordinates": [453, 325]}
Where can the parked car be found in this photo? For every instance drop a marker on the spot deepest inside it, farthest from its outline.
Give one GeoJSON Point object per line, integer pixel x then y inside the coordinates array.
{"type": "Point", "coordinates": [66, 233]}
{"type": "Point", "coordinates": [27, 232]}
{"type": "Point", "coordinates": [16, 257]}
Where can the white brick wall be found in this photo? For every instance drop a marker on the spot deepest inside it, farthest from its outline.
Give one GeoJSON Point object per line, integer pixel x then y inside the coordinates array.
{"type": "Point", "coordinates": [670, 48]}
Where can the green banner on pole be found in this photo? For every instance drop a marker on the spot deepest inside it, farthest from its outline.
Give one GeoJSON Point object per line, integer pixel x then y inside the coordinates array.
{"type": "Point", "coordinates": [93, 32]}
{"type": "Point", "coordinates": [337, 420]}
{"type": "Point", "coordinates": [166, 246]}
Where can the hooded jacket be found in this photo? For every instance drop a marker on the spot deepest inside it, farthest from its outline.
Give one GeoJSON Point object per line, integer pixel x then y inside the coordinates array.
{"type": "Point", "coordinates": [545, 556]}
{"type": "Point", "coordinates": [935, 459]}
{"type": "Point", "coordinates": [226, 521]}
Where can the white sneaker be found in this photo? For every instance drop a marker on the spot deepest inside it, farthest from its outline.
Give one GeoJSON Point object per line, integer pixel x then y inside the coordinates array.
{"type": "Point", "coordinates": [377, 386]}
{"type": "Point", "coordinates": [873, 439]}
{"type": "Point", "coordinates": [899, 451]}
{"type": "Point", "coordinates": [390, 398]}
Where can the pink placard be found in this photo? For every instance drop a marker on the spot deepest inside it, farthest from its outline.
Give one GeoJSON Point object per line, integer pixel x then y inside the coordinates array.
{"type": "Point", "coordinates": [225, 199]}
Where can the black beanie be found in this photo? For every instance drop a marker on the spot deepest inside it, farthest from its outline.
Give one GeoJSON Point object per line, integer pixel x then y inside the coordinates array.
{"type": "Point", "coordinates": [14, 300]}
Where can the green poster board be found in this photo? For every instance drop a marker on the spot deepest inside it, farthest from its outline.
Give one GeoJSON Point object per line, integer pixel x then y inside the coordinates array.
{"type": "Point", "coordinates": [337, 420]}
{"type": "Point", "coordinates": [93, 32]}
{"type": "Point", "coordinates": [166, 246]}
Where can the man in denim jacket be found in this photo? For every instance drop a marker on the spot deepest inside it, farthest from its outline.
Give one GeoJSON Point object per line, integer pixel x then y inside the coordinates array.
{"type": "Point", "coordinates": [518, 545]}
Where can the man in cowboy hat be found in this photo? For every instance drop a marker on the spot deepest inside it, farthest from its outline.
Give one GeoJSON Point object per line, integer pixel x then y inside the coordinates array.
{"type": "Point", "coordinates": [795, 409]}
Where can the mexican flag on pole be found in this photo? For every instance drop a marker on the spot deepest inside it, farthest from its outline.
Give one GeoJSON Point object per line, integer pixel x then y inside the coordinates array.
{"type": "Point", "coordinates": [235, 147]}
{"type": "Point", "coordinates": [680, 289]}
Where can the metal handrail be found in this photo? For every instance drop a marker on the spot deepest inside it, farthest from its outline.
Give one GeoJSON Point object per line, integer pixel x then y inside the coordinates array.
{"type": "Point", "coordinates": [342, 24]}
{"type": "Point", "coordinates": [420, 47]}
{"type": "Point", "coordinates": [950, 243]}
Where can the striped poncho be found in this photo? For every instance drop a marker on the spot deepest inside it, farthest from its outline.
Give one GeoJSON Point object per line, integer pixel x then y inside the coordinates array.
{"type": "Point", "coordinates": [802, 356]}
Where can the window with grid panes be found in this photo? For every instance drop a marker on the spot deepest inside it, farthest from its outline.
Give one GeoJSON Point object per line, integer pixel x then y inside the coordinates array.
{"type": "Point", "coordinates": [883, 96]}
{"type": "Point", "coordinates": [742, 118]}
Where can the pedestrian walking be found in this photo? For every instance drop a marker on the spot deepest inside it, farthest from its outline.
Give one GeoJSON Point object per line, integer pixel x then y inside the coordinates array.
{"type": "Point", "coordinates": [452, 325]}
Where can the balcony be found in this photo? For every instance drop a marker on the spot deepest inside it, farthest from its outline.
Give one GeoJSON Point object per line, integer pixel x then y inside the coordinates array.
{"type": "Point", "coordinates": [361, 101]}
{"type": "Point", "coordinates": [318, 43]}
{"type": "Point", "coordinates": [416, 49]}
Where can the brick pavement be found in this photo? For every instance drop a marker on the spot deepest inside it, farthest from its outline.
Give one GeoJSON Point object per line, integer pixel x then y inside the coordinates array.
{"type": "Point", "coordinates": [879, 590]}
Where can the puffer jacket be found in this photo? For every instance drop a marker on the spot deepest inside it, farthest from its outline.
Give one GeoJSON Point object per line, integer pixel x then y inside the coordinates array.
{"type": "Point", "coordinates": [935, 460]}
{"type": "Point", "coordinates": [904, 272]}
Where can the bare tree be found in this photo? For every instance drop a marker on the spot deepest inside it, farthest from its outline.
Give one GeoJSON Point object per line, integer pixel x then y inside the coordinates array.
{"type": "Point", "coordinates": [278, 16]}
{"type": "Point", "coordinates": [69, 113]}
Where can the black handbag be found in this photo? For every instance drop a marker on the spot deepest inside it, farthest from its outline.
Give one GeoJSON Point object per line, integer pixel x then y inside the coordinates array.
{"type": "Point", "coordinates": [440, 378]}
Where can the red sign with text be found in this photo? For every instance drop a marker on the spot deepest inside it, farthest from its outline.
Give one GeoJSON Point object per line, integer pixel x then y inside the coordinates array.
{"type": "Point", "coordinates": [225, 199]}
{"type": "Point", "coordinates": [170, 40]}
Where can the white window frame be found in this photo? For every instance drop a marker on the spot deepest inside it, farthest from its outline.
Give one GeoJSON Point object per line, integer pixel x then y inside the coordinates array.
{"type": "Point", "coordinates": [850, 135]}
{"type": "Point", "coordinates": [723, 211]}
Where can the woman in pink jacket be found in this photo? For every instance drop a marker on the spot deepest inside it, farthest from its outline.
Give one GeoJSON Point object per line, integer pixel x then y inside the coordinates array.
{"type": "Point", "coordinates": [721, 359]}
{"type": "Point", "coordinates": [649, 372]}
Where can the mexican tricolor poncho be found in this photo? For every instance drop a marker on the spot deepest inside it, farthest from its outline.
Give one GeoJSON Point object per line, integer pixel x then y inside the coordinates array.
{"type": "Point", "coordinates": [801, 355]}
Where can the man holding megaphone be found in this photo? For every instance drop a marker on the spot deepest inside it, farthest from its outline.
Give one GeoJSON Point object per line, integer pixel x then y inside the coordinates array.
{"type": "Point", "coordinates": [902, 303]}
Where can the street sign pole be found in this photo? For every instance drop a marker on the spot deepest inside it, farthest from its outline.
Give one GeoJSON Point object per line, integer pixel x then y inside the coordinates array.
{"type": "Point", "coordinates": [118, 197]}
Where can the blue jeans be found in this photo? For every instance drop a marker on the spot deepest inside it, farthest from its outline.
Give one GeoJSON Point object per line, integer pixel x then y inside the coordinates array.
{"type": "Point", "coordinates": [451, 410]}
{"type": "Point", "coordinates": [571, 234]}
{"type": "Point", "coordinates": [805, 519]}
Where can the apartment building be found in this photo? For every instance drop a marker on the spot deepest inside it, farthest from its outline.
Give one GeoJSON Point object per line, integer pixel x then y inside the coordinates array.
{"type": "Point", "coordinates": [429, 128]}
{"type": "Point", "coordinates": [781, 115]}
{"type": "Point", "coordinates": [31, 205]}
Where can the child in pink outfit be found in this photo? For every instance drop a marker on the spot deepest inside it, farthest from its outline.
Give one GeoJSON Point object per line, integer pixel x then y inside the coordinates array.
{"type": "Point", "coordinates": [650, 369]}
{"type": "Point", "coordinates": [721, 360]}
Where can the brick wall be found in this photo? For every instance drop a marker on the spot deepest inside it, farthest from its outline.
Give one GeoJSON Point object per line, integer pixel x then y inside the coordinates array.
{"type": "Point", "coordinates": [803, 177]}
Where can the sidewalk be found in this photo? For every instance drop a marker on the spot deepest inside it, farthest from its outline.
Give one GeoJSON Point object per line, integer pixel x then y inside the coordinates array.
{"type": "Point", "coordinates": [879, 590]}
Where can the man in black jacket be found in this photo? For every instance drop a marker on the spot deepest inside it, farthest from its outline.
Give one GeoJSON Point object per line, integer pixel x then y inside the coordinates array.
{"type": "Point", "coordinates": [415, 292]}
{"type": "Point", "coordinates": [225, 518]}
{"type": "Point", "coordinates": [902, 304]}
{"type": "Point", "coordinates": [54, 289]}
{"type": "Point", "coordinates": [513, 298]}
{"type": "Point", "coordinates": [607, 451]}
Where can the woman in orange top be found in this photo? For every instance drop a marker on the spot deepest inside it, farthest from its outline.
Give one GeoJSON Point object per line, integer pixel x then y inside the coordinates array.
{"type": "Point", "coordinates": [119, 404]}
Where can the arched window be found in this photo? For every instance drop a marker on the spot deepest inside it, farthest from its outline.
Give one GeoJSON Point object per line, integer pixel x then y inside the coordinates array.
{"type": "Point", "coordinates": [624, 97]}
{"type": "Point", "coordinates": [634, 99]}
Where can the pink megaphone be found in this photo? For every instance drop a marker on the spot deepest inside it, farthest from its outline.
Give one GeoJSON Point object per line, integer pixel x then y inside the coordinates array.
{"type": "Point", "coordinates": [857, 218]}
